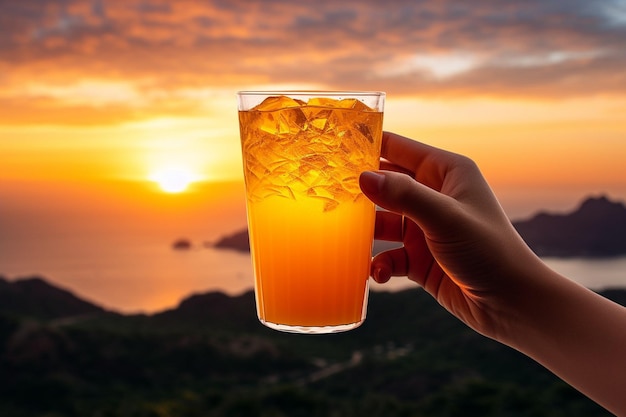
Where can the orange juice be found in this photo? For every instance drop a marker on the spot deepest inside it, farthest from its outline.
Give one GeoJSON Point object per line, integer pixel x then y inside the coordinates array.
{"type": "Point", "coordinates": [311, 228]}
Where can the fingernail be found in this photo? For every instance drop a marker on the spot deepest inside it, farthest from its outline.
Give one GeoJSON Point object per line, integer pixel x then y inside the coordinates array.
{"type": "Point", "coordinates": [372, 182]}
{"type": "Point", "coordinates": [376, 274]}
{"type": "Point", "coordinates": [381, 274]}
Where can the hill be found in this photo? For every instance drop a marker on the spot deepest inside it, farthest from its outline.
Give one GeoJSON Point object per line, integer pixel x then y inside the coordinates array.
{"type": "Point", "coordinates": [597, 228]}
{"type": "Point", "coordinates": [211, 357]}
{"type": "Point", "coordinates": [238, 241]}
{"type": "Point", "coordinates": [36, 298]}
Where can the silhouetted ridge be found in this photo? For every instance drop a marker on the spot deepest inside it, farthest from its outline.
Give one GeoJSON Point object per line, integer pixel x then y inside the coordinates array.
{"type": "Point", "coordinates": [597, 228]}
{"type": "Point", "coordinates": [211, 357]}
{"type": "Point", "coordinates": [215, 303]}
{"type": "Point", "coordinates": [237, 241]}
{"type": "Point", "coordinates": [214, 309]}
{"type": "Point", "coordinates": [34, 297]}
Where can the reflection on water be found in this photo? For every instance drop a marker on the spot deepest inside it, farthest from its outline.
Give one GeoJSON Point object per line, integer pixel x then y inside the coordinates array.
{"type": "Point", "coordinates": [152, 277]}
{"type": "Point", "coordinates": [120, 256]}
{"type": "Point", "coordinates": [133, 278]}
{"type": "Point", "coordinates": [596, 274]}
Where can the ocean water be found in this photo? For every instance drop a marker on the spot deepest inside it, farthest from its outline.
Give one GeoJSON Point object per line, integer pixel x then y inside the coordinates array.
{"type": "Point", "coordinates": [111, 243]}
{"type": "Point", "coordinates": [135, 275]}
{"type": "Point", "coordinates": [597, 274]}
{"type": "Point", "coordinates": [121, 257]}
{"type": "Point", "coordinates": [139, 277]}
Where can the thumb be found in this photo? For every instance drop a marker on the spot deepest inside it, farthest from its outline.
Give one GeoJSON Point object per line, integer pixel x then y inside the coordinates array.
{"type": "Point", "coordinates": [402, 194]}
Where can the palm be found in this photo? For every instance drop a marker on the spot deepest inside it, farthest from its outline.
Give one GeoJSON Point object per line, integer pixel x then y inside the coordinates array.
{"type": "Point", "coordinates": [448, 244]}
{"type": "Point", "coordinates": [425, 258]}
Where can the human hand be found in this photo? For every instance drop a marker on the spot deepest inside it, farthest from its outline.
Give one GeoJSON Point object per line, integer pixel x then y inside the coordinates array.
{"type": "Point", "coordinates": [459, 244]}
{"type": "Point", "coordinates": [461, 248]}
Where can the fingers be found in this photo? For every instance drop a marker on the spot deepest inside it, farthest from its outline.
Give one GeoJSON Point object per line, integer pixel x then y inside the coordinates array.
{"type": "Point", "coordinates": [427, 164]}
{"type": "Point", "coordinates": [389, 226]}
{"type": "Point", "coordinates": [390, 263]}
{"type": "Point", "coordinates": [413, 260]}
{"type": "Point", "coordinates": [404, 152]}
{"type": "Point", "coordinates": [388, 166]}
{"type": "Point", "coordinates": [400, 194]}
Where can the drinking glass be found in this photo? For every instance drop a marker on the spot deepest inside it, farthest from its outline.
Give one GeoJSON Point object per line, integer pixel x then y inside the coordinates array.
{"type": "Point", "coordinates": [311, 228]}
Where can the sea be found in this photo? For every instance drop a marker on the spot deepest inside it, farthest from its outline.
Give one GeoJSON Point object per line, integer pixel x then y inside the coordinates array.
{"type": "Point", "coordinates": [148, 277]}
{"type": "Point", "coordinates": [122, 258]}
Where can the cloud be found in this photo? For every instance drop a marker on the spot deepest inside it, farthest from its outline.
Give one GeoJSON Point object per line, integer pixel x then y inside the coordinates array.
{"type": "Point", "coordinates": [529, 48]}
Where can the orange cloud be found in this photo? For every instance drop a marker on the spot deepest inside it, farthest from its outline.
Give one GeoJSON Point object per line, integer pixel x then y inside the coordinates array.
{"type": "Point", "coordinates": [532, 49]}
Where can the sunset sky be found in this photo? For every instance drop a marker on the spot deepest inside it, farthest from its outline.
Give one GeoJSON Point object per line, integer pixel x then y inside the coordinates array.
{"type": "Point", "coordinates": [118, 119]}
{"type": "Point", "coordinates": [535, 91]}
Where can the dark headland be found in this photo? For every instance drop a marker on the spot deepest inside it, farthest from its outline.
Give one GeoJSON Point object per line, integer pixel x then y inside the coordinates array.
{"type": "Point", "coordinates": [210, 356]}
{"type": "Point", "coordinates": [596, 228]}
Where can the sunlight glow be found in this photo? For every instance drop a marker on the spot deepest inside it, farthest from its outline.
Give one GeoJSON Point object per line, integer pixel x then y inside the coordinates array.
{"type": "Point", "coordinates": [87, 91]}
{"type": "Point", "coordinates": [173, 179]}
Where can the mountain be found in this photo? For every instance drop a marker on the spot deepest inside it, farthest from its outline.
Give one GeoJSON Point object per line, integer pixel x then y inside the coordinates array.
{"type": "Point", "coordinates": [36, 298]}
{"type": "Point", "coordinates": [214, 310]}
{"type": "Point", "coordinates": [211, 357]}
{"type": "Point", "coordinates": [597, 228]}
{"type": "Point", "coordinates": [237, 241]}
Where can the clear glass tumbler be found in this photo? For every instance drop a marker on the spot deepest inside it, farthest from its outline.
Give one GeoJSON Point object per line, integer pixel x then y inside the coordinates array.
{"type": "Point", "coordinates": [311, 228]}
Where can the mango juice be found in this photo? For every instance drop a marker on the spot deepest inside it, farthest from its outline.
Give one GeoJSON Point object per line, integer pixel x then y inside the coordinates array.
{"type": "Point", "coordinates": [311, 269]}
{"type": "Point", "coordinates": [311, 229]}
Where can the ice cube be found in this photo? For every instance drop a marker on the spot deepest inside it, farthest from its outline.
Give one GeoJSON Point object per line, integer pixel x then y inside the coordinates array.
{"type": "Point", "coordinates": [318, 119]}
{"type": "Point", "coordinates": [290, 122]}
{"type": "Point", "coordinates": [364, 129]}
{"type": "Point", "coordinates": [350, 103]}
{"type": "Point", "coordinates": [315, 161]}
{"type": "Point", "coordinates": [322, 102]}
{"type": "Point", "coordinates": [278, 102]}
{"type": "Point", "coordinates": [330, 205]}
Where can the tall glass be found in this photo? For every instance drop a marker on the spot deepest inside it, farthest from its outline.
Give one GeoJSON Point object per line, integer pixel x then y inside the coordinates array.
{"type": "Point", "coordinates": [311, 229]}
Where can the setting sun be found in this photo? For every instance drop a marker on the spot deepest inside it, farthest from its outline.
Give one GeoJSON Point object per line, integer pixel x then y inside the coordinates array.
{"type": "Point", "coordinates": [173, 179]}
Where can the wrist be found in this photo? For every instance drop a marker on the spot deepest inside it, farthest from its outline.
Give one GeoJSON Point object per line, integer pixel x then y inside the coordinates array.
{"type": "Point", "coordinates": [526, 297]}
{"type": "Point", "coordinates": [572, 331]}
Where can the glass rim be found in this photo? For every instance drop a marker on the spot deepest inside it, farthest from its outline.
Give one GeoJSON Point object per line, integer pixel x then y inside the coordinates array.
{"type": "Point", "coordinates": [357, 93]}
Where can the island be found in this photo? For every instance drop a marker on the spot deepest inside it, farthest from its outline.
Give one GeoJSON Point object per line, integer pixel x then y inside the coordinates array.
{"type": "Point", "coordinates": [238, 241]}
{"type": "Point", "coordinates": [597, 228]}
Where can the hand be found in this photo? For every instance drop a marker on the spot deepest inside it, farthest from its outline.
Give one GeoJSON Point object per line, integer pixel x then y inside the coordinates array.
{"type": "Point", "coordinates": [459, 244]}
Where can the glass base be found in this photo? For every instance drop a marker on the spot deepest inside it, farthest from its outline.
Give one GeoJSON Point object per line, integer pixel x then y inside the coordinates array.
{"type": "Point", "coordinates": [312, 329]}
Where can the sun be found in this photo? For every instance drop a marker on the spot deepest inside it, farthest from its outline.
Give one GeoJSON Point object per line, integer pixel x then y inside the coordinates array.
{"type": "Point", "coordinates": [173, 179]}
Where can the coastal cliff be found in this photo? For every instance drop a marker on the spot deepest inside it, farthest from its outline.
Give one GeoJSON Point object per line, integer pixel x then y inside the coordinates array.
{"type": "Point", "coordinates": [597, 228]}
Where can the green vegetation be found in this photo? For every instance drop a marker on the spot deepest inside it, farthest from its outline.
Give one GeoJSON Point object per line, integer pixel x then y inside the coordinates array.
{"type": "Point", "coordinates": [210, 357]}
